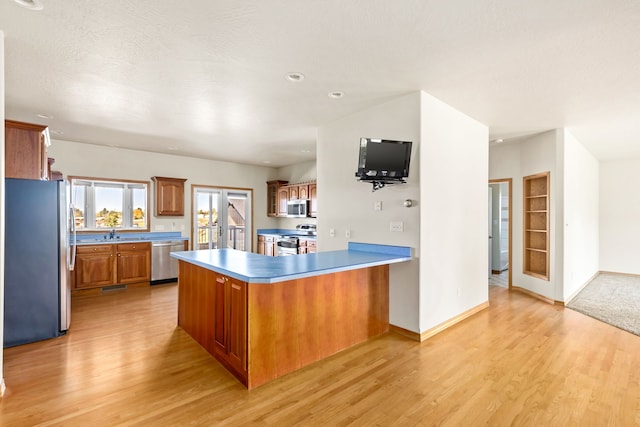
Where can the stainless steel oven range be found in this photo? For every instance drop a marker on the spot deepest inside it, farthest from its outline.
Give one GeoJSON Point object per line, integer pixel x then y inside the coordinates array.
{"type": "Point", "coordinates": [287, 245]}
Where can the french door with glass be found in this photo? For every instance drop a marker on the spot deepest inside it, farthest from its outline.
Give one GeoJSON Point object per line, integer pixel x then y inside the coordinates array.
{"type": "Point", "coordinates": [221, 218]}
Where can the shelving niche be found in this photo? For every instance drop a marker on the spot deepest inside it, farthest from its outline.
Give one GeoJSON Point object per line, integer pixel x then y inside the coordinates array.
{"type": "Point", "coordinates": [536, 225]}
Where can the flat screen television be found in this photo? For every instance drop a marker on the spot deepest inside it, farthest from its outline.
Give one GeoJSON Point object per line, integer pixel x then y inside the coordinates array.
{"type": "Point", "coordinates": [383, 160]}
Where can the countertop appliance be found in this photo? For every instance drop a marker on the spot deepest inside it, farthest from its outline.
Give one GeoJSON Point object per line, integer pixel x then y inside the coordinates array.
{"type": "Point", "coordinates": [297, 208]}
{"type": "Point", "coordinates": [38, 258]}
{"type": "Point", "coordinates": [164, 269]}
{"type": "Point", "coordinates": [307, 229]}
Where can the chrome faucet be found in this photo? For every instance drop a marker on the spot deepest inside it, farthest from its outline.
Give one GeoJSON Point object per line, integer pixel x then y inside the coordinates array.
{"type": "Point", "coordinates": [112, 233]}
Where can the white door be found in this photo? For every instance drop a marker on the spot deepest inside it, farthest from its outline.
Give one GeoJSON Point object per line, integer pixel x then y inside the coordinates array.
{"type": "Point", "coordinates": [221, 218]}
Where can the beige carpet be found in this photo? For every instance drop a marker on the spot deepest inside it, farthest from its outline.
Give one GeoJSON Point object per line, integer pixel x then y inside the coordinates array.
{"type": "Point", "coordinates": [612, 298]}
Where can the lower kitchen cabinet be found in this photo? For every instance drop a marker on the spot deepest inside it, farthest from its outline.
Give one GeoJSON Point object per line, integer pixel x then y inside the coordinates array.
{"type": "Point", "coordinates": [94, 266]}
{"type": "Point", "coordinates": [230, 323]}
{"type": "Point", "coordinates": [110, 264]}
{"type": "Point", "coordinates": [134, 262]}
{"type": "Point", "coordinates": [266, 245]}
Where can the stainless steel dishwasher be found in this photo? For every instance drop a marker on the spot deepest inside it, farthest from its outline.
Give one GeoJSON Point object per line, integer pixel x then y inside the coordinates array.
{"type": "Point", "coordinates": [164, 269]}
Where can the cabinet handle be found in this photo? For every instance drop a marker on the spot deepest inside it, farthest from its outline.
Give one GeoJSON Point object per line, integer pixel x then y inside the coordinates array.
{"type": "Point", "coordinates": [220, 279]}
{"type": "Point", "coordinates": [235, 286]}
{"type": "Point", "coordinates": [118, 254]}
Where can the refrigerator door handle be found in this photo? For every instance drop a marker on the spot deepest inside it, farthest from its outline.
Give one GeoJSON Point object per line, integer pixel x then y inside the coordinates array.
{"type": "Point", "coordinates": [72, 262]}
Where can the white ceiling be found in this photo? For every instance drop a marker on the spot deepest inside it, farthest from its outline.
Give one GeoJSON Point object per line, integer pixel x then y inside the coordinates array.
{"type": "Point", "coordinates": [206, 78]}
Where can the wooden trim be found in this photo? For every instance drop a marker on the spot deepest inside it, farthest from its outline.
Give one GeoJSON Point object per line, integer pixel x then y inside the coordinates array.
{"type": "Point", "coordinates": [415, 336]}
{"type": "Point", "coordinates": [534, 295]}
{"type": "Point", "coordinates": [508, 181]}
{"type": "Point", "coordinates": [453, 321]}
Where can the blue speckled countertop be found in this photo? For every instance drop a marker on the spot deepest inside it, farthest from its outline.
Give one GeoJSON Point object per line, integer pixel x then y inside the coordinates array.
{"type": "Point", "coordinates": [254, 268]}
{"type": "Point", "coordinates": [102, 238]}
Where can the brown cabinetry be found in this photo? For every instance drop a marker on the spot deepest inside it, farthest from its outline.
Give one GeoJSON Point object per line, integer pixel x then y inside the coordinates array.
{"type": "Point", "coordinates": [230, 323]}
{"type": "Point", "coordinates": [306, 246]}
{"type": "Point", "coordinates": [110, 264]}
{"type": "Point", "coordinates": [169, 196]}
{"type": "Point", "coordinates": [313, 200]}
{"type": "Point", "coordinates": [279, 193]}
{"type": "Point", "coordinates": [94, 266]}
{"type": "Point", "coordinates": [266, 245]}
{"type": "Point", "coordinates": [25, 151]}
{"type": "Point", "coordinates": [273, 194]}
{"type": "Point", "coordinates": [536, 225]}
{"type": "Point", "coordinates": [134, 262]}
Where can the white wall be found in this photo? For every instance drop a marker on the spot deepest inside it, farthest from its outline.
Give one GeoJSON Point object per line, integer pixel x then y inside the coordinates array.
{"type": "Point", "coordinates": [79, 159]}
{"type": "Point", "coordinates": [581, 216]}
{"type": "Point", "coordinates": [344, 203]}
{"type": "Point", "coordinates": [2, 387]}
{"type": "Point", "coordinates": [517, 160]}
{"type": "Point", "coordinates": [620, 216]}
{"type": "Point", "coordinates": [454, 213]}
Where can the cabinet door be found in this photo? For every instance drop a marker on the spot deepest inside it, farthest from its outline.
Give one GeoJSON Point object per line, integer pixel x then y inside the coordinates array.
{"type": "Point", "coordinates": [169, 196]}
{"type": "Point", "coordinates": [134, 262]}
{"type": "Point", "coordinates": [283, 198]}
{"type": "Point", "coordinates": [237, 324]}
{"type": "Point", "coordinates": [95, 267]}
{"type": "Point", "coordinates": [25, 151]}
{"type": "Point", "coordinates": [230, 328]}
{"type": "Point", "coordinates": [220, 324]}
{"type": "Point", "coordinates": [270, 248]}
{"type": "Point", "coordinates": [303, 191]}
{"type": "Point", "coordinates": [313, 197]}
{"type": "Point", "coordinates": [293, 192]}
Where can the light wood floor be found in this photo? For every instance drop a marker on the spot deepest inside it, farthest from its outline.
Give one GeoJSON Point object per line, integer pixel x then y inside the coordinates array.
{"type": "Point", "coordinates": [520, 362]}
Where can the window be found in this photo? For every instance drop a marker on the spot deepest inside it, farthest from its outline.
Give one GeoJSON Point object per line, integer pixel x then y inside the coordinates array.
{"type": "Point", "coordinates": [101, 204]}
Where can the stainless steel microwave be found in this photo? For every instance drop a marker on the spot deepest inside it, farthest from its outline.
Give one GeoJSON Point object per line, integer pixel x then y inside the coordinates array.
{"type": "Point", "coordinates": [297, 208]}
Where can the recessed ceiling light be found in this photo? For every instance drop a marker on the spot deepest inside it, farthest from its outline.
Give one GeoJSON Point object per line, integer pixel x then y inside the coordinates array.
{"type": "Point", "coordinates": [172, 148]}
{"type": "Point", "coordinates": [30, 4]}
{"type": "Point", "coordinates": [305, 151]}
{"type": "Point", "coordinates": [266, 161]}
{"type": "Point", "coordinates": [336, 94]}
{"type": "Point", "coordinates": [294, 77]}
{"type": "Point", "coordinates": [57, 132]}
{"type": "Point", "coordinates": [44, 116]}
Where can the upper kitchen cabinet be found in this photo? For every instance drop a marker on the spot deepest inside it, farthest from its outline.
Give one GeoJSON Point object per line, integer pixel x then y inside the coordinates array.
{"type": "Point", "coordinates": [313, 200]}
{"type": "Point", "coordinates": [280, 192]}
{"type": "Point", "coordinates": [25, 150]}
{"type": "Point", "coordinates": [273, 190]}
{"type": "Point", "coordinates": [169, 196]}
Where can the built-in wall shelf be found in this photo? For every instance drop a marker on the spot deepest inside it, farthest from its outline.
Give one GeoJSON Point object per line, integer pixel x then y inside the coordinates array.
{"type": "Point", "coordinates": [536, 225]}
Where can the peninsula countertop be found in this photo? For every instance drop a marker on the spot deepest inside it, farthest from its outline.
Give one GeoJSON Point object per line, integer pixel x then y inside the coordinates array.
{"type": "Point", "coordinates": [253, 268]}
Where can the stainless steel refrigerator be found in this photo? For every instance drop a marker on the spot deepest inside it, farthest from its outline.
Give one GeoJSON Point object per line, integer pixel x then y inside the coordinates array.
{"type": "Point", "coordinates": [37, 260]}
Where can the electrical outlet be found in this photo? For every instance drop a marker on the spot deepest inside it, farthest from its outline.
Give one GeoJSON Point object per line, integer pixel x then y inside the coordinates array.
{"type": "Point", "coordinates": [332, 232]}
{"type": "Point", "coordinates": [458, 291]}
{"type": "Point", "coordinates": [377, 205]}
{"type": "Point", "coordinates": [347, 234]}
{"type": "Point", "coordinates": [396, 226]}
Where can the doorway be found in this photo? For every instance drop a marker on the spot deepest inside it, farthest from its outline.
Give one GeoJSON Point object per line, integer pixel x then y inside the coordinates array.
{"type": "Point", "coordinates": [221, 218]}
{"type": "Point", "coordinates": [500, 232]}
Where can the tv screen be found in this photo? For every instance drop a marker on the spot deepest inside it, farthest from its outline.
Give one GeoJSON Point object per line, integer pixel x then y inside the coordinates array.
{"type": "Point", "coordinates": [383, 159]}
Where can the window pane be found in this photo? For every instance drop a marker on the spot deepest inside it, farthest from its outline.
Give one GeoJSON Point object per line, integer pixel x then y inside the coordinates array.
{"type": "Point", "coordinates": [139, 205]}
{"type": "Point", "coordinates": [108, 205]}
{"type": "Point", "coordinates": [79, 205]}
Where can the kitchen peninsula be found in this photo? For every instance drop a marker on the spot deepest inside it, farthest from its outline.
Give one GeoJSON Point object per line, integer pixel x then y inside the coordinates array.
{"type": "Point", "coordinates": [263, 317]}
